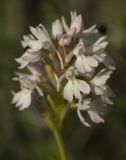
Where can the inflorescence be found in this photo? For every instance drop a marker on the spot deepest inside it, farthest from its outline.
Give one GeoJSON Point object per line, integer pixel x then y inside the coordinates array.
{"type": "Point", "coordinates": [72, 62]}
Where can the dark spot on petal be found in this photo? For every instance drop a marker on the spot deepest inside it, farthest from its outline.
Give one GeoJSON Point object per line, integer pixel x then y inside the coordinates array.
{"type": "Point", "coordinates": [26, 48]}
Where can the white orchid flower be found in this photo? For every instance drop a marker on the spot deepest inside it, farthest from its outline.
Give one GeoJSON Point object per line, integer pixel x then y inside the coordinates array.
{"type": "Point", "coordinates": [41, 33]}
{"type": "Point", "coordinates": [70, 60]}
{"type": "Point", "coordinates": [99, 82]}
{"type": "Point", "coordinates": [41, 40]}
{"type": "Point", "coordinates": [76, 23]}
{"type": "Point", "coordinates": [34, 44]}
{"type": "Point", "coordinates": [74, 87]}
{"type": "Point", "coordinates": [83, 63]}
{"type": "Point", "coordinates": [27, 58]}
{"type": "Point", "coordinates": [73, 30]}
{"type": "Point", "coordinates": [65, 40]}
{"type": "Point", "coordinates": [89, 107]}
{"type": "Point", "coordinates": [22, 99]}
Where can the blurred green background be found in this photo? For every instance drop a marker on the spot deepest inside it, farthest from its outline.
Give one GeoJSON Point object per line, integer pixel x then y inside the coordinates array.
{"type": "Point", "coordinates": [23, 135]}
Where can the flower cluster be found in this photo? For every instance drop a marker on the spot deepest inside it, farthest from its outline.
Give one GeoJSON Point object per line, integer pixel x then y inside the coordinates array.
{"type": "Point", "coordinates": [71, 62]}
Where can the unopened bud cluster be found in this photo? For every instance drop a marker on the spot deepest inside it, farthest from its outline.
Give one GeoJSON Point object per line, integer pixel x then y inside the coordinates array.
{"type": "Point", "coordinates": [71, 62]}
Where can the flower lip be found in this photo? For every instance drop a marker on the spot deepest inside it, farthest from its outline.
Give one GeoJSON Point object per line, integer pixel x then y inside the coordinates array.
{"type": "Point", "coordinates": [74, 87]}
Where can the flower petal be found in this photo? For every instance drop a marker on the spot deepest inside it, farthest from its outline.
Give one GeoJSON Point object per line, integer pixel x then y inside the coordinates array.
{"type": "Point", "coordinates": [22, 63]}
{"type": "Point", "coordinates": [86, 64]}
{"type": "Point", "coordinates": [101, 78]}
{"type": "Point", "coordinates": [84, 86]}
{"type": "Point", "coordinates": [84, 104]}
{"type": "Point", "coordinates": [99, 90]}
{"type": "Point", "coordinates": [35, 45]}
{"type": "Point", "coordinates": [82, 118]}
{"type": "Point", "coordinates": [76, 23]}
{"type": "Point", "coordinates": [34, 32]}
{"type": "Point", "coordinates": [95, 117]}
{"type": "Point", "coordinates": [79, 64]}
{"type": "Point", "coordinates": [57, 28]}
{"type": "Point", "coordinates": [31, 57]}
{"type": "Point", "coordinates": [100, 40]}
{"type": "Point", "coordinates": [16, 97]}
{"type": "Point", "coordinates": [65, 24]}
{"type": "Point", "coordinates": [22, 99]}
{"type": "Point", "coordinates": [93, 62]}
{"type": "Point", "coordinates": [26, 102]}
{"type": "Point", "coordinates": [91, 30]}
{"type": "Point", "coordinates": [68, 91]}
{"type": "Point", "coordinates": [76, 89]}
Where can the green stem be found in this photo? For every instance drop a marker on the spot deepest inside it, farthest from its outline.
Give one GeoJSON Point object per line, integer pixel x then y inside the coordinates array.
{"type": "Point", "coordinates": [60, 144]}
{"type": "Point", "coordinates": [56, 133]}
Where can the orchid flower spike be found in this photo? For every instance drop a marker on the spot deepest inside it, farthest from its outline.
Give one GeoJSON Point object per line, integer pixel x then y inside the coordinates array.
{"type": "Point", "coordinates": [70, 65]}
